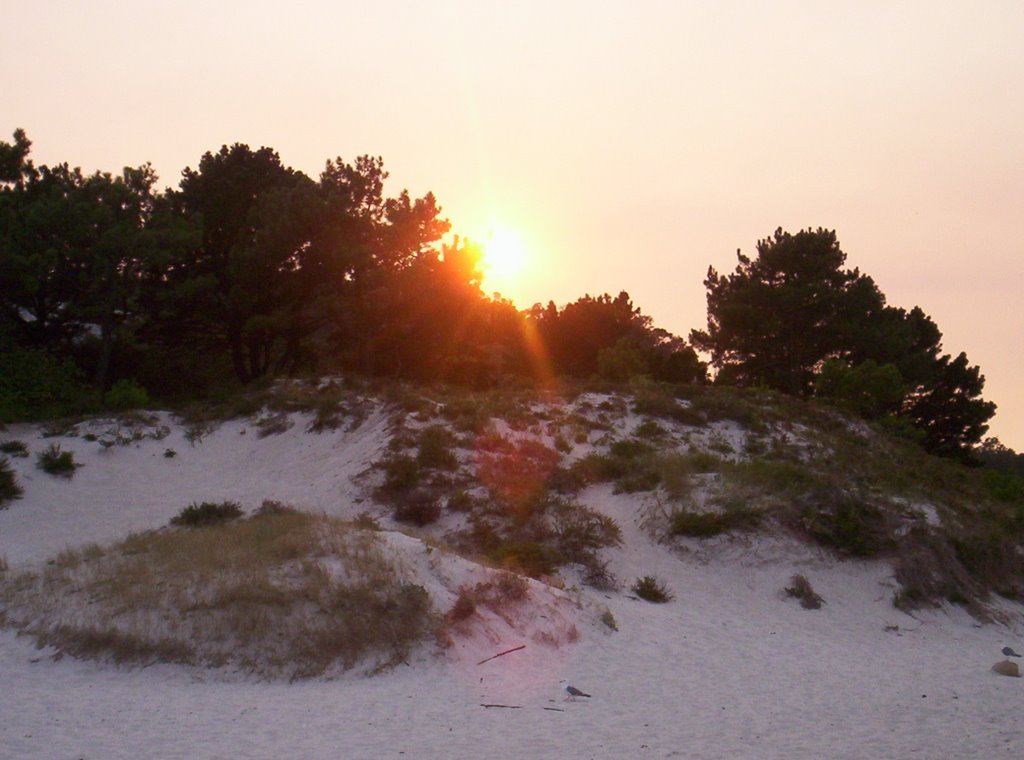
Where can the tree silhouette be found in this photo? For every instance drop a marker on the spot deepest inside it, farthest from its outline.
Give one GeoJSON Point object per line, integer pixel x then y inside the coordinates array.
{"type": "Point", "coordinates": [795, 320]}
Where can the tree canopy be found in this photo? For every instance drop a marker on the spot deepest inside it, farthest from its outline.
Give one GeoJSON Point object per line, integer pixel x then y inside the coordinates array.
{"type": "Point", "coordinates": [794, 319]}
{"type": "Point", "coordinates": [250, 269]}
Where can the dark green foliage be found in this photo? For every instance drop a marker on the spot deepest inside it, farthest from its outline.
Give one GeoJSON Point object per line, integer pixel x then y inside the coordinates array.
{"type": "Point", "coordinates": [845, 522]}
{"type": "Point", "coordinates": [649, 430]}
{"type": "Point", "coordinates": [776, 317]}
{"type": "Point", "coordinates": [461, 501]}
{"type": "Point", "coordinates": [994, 455]}
{"type": "Point", "coordinates": [14, 448]}
{"type": "Point", "coordinates": [793, 319]}
{"type": "Point", "coordinates": [9, 488]}
{"type": "Point", "coordinates": [800, 588]}
{"type": "Point", "coordinates": [401, 473]}
{"type": "Point", "coordinates": [707, 524]}
{"type": "Point", "coordinates": [661, 404]}
{"type": "Point", "coordinates": [416, 508]}
{"type": "Point", "coordinates": [56, 462]}
{"type": "Point", "coordinates": [35, 384]}
{"type": "Point", "coordinates": [207, 514]}
{"type": "Point", "coordinates": [435, 449]}
{"type": "Point", "coordinates": [580, 531]}
{"type": "Point", "coordinates": [774, 476]}
{"type": "Point", "coordinates": [530, 558]}
{"type": "Point", "coordinates": [1005, 486]}
{"type": "Point", "coordinates": [611, 337]}
{"type": "Point", "coordinates": [126, 394]}
{"type": "Point", "coordinates": [868, 390]}
{"type": "Point", "coordinates": [651, 589]}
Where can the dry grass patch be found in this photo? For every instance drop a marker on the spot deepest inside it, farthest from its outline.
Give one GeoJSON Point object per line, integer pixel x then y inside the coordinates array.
{"type": "Point", "coordinates": [279, 595]}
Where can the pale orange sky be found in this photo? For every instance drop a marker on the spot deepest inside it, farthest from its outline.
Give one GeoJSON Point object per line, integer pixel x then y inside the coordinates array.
{"type": "Point", "coordinates": [630, 144]}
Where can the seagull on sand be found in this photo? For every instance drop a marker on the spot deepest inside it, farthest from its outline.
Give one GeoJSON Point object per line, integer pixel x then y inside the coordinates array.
{"type": "Point", "coordinates": [572, 691]}
{"type": "Point", "coordinates": [1009, 652]}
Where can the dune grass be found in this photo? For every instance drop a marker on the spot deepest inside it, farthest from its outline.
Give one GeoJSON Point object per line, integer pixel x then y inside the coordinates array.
{"type": "Point", "coordinates": [279, 595]}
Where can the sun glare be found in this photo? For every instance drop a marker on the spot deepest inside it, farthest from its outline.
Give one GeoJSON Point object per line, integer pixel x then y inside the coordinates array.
{"type": "Point", "coordinates": [504, 255]}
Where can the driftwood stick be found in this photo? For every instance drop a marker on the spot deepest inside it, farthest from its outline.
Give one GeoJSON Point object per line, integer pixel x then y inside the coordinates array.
{"type": "Point", "coordinates": [510, 707]}
{"type": "Point", "coordinates": [502, 654]}
{"type": "Point", "coordinates": [553, 709]}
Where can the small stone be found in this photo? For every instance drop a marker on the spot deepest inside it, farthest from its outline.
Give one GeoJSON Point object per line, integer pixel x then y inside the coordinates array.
{"type": "Point", "coordinates": [1007, 668]}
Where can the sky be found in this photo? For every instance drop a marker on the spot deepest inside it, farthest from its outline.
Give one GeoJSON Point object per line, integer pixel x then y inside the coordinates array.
{"type": "Point", "coordinates": [628, 145]}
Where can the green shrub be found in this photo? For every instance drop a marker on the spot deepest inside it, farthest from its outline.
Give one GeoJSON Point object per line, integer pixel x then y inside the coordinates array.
{"type": "Point", "coordinates": [272, 507]}
{"type": "Point", "coordinates": [649, 430]}
{"type": "Point", "coordinates": [9, 488]}
{"type": "Point", "coordinates": [800, 588]}
{"type": "Point", "coordinates": [14, 448]}
{"type": "Point", "coordinates": [580, 531]}
{"type": "Point", "coordinates": [37, 385]}
{"type": "Point", "coordinates": [56, 462]}
{"type": "Point", "coordinates": [528, 557]}
{"type": "Point", "coordinates": [1004, 486]}
{"type": "Point", "coordinates": [207, 513]}
{"type": "Point", "coordinates": [461, 501]}
{"type": "Point", "coordinates": [401, 473]}
{"type": "Point", "coordinates": [126, 394]}
{"type": "Point", "coordinates": [416, 508]}
{"type": "Point", "coordinates": [707, 524]}
{"type": "Point", "coordinates": [435, 450]}
{"type": "Point", "coordinates": [844, 522]}
{"type": "Point", "coordinates": [657, 403]}
{"type": "Point", "coordinates": [609, 620]}
{"type": "Point", "coordinates": [651, 589]}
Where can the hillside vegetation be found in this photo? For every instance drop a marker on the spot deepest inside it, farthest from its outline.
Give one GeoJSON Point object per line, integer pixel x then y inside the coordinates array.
{"type": "Point", "coordinates": [512, 480]}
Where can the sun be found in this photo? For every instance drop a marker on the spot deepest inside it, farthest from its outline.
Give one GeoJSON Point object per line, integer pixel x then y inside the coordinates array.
{"type": "Point", "coordinates": [504, 255]}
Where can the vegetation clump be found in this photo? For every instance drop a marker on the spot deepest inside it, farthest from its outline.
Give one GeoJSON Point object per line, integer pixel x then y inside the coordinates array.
{"type": "Point", "coordinates": [207, 513]}
{"type": "Point", "coordinates": [651, 589]}
{"type": "Point", "coordinates": [800, 588]}
{"type": "Point", "coordinates": [707, 524]}
{"type": "Point", "coordinates": [14, 448]}
{"type": "Point", "coordinates": [56, 462]}
{"type": "Point", "coordinates": [281, 595]}
{"type": "Point", "coordinates": [9, 487]}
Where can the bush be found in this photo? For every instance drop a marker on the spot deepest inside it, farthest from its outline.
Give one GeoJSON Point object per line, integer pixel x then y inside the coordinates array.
{"type": "Point", "coordinates": [609, 620]}
{"type": "Point", "coordinates": [416, 508]}
{"type": "Point", "coordinates": [126, 394]}
{"type": "Point", "coordinates": [57, 462]}
{"type": "Point", "coordinates": [461, 501]}
{"type": "Point", "coordinates": [9, 488]}
{"type": "Point", "coordinates": [435, 451]}
{"type": "Point", "coordinates": [37, 385]}
{"type": "Point", "coordinates": [707, 524]}
{"type": "Point", "coordinates": [401, 474]}
{"type": "Point", "coordinates": [14, 448]}
{"type": "Point", "coordinates": [207, 513]}
{"type": "Point", "coordinates": [800, 588]}
{"type": "Point", "coordinates": [844, 522]}
{"type": "Point", "coordinates": [531, 558]}
{"type": "Point", "coordinates": [651, 589]}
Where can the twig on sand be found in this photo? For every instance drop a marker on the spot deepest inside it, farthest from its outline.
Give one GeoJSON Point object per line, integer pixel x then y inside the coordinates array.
{"type": "Point", "coordinates": [553, 709]}
{"type": "Point", "coordinates": [510, 707]}
{"type": "Point", "coordinates": [502, 654]}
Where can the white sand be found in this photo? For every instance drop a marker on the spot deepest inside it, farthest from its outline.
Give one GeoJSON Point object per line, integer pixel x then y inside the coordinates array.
{"type": "Point", "coordinates": [729, 669]}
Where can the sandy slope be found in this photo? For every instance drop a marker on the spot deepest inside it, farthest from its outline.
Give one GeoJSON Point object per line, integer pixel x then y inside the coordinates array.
{"type": "Point", "coordinates": [729, 669]}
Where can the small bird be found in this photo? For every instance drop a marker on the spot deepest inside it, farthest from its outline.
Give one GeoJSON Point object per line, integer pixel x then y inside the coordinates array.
{"type": "Point", "coordinates": [1009, 652]}
{"type": "Point", "coordinates": [572, 691]}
